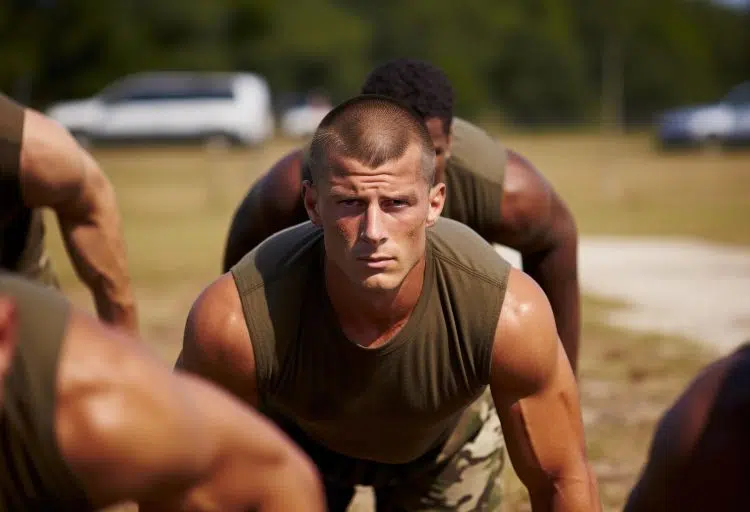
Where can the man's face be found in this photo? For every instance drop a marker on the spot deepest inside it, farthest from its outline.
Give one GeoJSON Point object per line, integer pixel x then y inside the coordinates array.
{"type": "Point", "coordinates": [375, 220]}
{"type": "Point", "coordinates": [8, 338]}
{"type": "Point", "coordinates": [442, 142]}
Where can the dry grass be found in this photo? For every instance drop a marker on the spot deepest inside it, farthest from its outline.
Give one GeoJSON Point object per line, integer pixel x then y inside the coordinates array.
{"type": "Point", "coordinates": [176, 206]}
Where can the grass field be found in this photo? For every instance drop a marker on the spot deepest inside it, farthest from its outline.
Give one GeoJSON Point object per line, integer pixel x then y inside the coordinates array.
{"type": "Point", "coordinates": [176, 205]}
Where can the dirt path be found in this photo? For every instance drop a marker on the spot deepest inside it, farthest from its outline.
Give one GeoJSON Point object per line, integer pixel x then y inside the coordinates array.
{"type": "Point", "coordinates": [673, 286]}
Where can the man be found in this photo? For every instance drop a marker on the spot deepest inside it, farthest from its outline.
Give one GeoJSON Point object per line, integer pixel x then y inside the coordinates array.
{"type": "Point", "coordinates": [41, 166]}
{"type": "Point", "coordinates": [91, 419]}
{"type": "Point", "coordinates": [496, 192]}
{"type": "Point", "coordinates": [700, 451]}
{"type": "Point", "coordinates": [371, 335]}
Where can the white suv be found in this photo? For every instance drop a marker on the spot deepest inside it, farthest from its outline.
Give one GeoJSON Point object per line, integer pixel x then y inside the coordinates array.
{"type": "Point", "coordinates": [157, 106]}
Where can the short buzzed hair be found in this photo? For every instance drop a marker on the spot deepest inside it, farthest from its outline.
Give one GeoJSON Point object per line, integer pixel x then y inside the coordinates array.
{"type": "Point", "coordinates": [372, 130]}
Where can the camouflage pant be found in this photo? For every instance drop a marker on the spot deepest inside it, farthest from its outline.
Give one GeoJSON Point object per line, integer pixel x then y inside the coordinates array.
{"type": "Point", "coordinates": [467, 478]}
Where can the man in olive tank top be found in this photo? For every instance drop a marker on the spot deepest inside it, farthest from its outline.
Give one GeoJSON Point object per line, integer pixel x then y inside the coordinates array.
{"type": "Point", "coordinates": [493, 190]}
{"type": "Point", "coordinates": [392, 344]}
{"type": "Point", "coordinates": [699, 455]}
{"type": "Point", "coordinates": [42, 166]}
{"type": "Point", "coordinates": [89, 418]}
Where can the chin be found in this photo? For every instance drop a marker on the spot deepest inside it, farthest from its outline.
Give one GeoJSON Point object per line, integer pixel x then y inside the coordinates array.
{"type": "Point", "coordinates": [380, 282]}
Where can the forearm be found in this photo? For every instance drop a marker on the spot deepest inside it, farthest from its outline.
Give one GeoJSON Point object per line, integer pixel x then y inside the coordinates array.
{"type": "Point", "coordinates": [96, 248]}
{"type": "Point", "coordinates": [556, 271]}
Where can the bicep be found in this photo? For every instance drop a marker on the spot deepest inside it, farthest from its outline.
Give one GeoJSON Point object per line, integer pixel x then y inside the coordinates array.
{"type": "Point", "coordinates": [533, 386]}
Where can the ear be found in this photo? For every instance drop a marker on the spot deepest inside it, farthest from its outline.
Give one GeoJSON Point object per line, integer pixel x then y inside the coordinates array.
{"type": "Point", "coordinates": [437, 200]}
{"type": "Point", "coordinates": [310, 198]}
{"type": "Point", "coordinates": [8, 333]}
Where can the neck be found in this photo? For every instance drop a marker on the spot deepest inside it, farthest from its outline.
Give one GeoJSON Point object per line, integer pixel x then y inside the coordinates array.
{"type": "Point", "coordinates": [373, 315]}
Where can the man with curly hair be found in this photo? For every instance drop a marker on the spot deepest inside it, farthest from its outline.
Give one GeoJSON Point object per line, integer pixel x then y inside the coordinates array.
{"type": "Point", "coordinates": [493, 190]}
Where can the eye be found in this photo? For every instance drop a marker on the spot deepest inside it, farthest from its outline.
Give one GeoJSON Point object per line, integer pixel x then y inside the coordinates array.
{"type": "Point", "coordinates": [348, 202]}
{"type": "Point", "coordinates": [396, 203]}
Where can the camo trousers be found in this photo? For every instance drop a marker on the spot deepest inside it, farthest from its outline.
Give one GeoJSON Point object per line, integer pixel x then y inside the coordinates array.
{"type": "Point", "coordinates": [461, 479]}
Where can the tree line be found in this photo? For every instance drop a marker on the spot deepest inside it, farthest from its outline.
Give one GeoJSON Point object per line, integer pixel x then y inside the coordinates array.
{"type": "Point", "coordinates": [529, 61]}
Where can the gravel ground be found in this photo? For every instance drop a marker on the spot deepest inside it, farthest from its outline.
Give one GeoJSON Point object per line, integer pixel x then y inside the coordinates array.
{"type": "Point", "coordinates": [673, 286]}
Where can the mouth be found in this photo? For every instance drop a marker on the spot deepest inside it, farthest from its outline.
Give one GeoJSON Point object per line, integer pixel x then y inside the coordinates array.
{"type": "Point", "coordinates": [375, 261]}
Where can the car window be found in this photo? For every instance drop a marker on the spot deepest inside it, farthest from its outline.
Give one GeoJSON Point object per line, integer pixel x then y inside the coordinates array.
{"type": "Point", "coordinates": [165, 88]}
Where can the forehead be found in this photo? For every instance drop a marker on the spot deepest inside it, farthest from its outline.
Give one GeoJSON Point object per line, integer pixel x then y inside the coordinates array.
{"type": "Point", "coordinates": [405, 169]}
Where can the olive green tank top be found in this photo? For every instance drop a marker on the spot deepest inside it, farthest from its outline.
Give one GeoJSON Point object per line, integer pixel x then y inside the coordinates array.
{"type": "Point", "coordinates": [389, 404]}
{"type": "Point", "coordinates": [474, 177]}
{"type": "Point", "coordinates": [21, 229]}
{"type": "Point", "coordinates": [33, 475]}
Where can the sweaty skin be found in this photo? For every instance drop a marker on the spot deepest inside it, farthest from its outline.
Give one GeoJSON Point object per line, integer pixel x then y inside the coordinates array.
{"type": "Point", "coordinates": [132, 430]}
{"type": "Point", "coordinates": [57, 173]}
{"type": "Point", "coordinates": [384, 212]}
{"type": "Point", "coordinates": [534, 221]}
{"type": "Point", "coordinates": [699, 454]}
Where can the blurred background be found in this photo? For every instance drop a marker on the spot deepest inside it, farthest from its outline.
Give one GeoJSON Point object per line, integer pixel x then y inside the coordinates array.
{"type": "Point", "coordinates": [593, 92]}
{"type": "Point", "coordinates": [525, 62]}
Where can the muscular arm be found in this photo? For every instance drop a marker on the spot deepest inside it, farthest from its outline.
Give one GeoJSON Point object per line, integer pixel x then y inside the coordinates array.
{"type": "Point", "coordinates": [537, 223]}
{"type": "Point", "coordinates": [131, 430]}
{"type": "Point", "coordinates": [216, 344]}
{"type": "Point", "coordinates": [57, 173]}
{"type": "Point", "coordinates": [537, 401]}
{"type": "Point", "coordinates": [273, 203]}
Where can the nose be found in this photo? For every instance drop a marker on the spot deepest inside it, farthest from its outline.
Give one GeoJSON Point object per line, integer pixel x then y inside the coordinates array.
{"type": "Point", "coordinates": [372, 229]}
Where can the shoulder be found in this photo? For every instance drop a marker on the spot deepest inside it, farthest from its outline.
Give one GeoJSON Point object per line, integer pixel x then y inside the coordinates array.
{"type": "Point", "coordinates": [476, 151]}
{"type": "Point", "coordinates": [124, 389]}
{"type": "Point", "coordinates": [54, 168]}
{"type": "Point", "coordinates": [282, 184]}
{"type": "Point", "coordinates": [216, 342]}
{"type": "Point", "coordinates": [527, 352]}
{"type": "Point", "coordinates": [714, 396]}
{"type": "Point", "coordinates": [215, 326]}
{"type": "Point", "coordinates": [462, 247]}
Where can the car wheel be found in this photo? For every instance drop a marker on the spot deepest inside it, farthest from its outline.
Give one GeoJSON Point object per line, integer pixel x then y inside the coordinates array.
{"type": "Point", "coordinates": [218, 142]}
{"type": "Point", "coordinates": [712, 144]}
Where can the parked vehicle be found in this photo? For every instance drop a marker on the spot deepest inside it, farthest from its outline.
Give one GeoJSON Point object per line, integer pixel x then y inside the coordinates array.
{"type": "Point", "coordinates": [159, 106]}
{"type": "Point", "coordinates": [724, 122]}
{"type": "Point", "coordinates": [302, 119]}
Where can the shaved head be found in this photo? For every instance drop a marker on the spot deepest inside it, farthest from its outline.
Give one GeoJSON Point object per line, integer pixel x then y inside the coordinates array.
{"type": "Point", "coordinates": [373, 130]}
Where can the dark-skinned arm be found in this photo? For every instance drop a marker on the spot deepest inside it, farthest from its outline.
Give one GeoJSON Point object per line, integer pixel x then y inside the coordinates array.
{"type": "Point", "coordinates": [537, 223]}
{"type": "Point", "coordinates": [273, 203]}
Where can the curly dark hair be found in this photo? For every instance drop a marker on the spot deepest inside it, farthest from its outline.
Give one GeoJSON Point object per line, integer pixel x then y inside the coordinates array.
{"type": "Point", "coordinates": [418, 84]}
